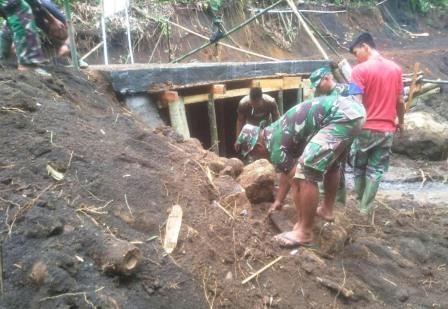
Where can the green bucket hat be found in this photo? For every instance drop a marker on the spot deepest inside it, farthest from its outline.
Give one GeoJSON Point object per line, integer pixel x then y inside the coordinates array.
{"type": "Point", "coordinates": [317, 75]}
{"type": "Point", "coordinates": [247, 139]}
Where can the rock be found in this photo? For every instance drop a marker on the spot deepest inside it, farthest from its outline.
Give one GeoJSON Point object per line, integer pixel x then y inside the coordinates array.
{"type": "Point", "coordinates": [42, 226]}
{"type": "Point", "coordinates": [235, 166]}
{"type": "Point", "coordinates": [402, 295]}
{"type": "Point", "coordinates": [332, 238]}
{"type": "Point", "coordinates": [231, 194]}
{"type": "Point", "coordinates": [258, 179]}
{"type": "Point", "coordinates": [39, 273]}
{"type": "Point", "coordinates": [59, 281]}
{"type": "Point", "coordinates": [425, 137]}
{"type": "Point", "coordinates": [310, 262]}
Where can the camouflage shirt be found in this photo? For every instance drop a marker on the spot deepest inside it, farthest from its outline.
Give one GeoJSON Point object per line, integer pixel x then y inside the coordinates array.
{"type": "Point", "coordinates": [286, 138]}
{"type": "Point", "coordinates": [260, 115]}
{"type": "Point", "coordinates": [341, 89]}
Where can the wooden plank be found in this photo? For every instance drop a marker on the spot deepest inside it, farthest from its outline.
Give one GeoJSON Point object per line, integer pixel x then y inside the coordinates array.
{"type": "Point", "coordinates": [170, 96]}
{"type": "Point", "coordinates": [173, 225]}
{"type": "Point", "coordinates": [219, 89]}
{"type": "Point", "coordinates": [271, 85]}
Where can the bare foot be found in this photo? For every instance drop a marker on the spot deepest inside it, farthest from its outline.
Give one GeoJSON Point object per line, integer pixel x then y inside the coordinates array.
{"type": "Point", "coordinates": [324, 214]}
{"type": "Point", "coordinates": [292, 239]}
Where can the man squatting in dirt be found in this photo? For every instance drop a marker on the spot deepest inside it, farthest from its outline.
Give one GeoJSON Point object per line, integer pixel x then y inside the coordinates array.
{"type": "Point", "coordinates": [317, 132]}
{"type": "Point", "coordinates": [323, 82]}
{"type": "Point", "coordinates": [377, 83]}
{"type": "Point", "coordinates": [257, 109]}
{"type": "Point", "coordinates": [20, 19]}
{"type": "Point", "coordinates": [50, 19]}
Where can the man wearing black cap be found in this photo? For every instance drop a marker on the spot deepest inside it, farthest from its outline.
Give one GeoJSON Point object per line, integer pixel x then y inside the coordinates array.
{"type": "Point", "coordinates": [377, 83]}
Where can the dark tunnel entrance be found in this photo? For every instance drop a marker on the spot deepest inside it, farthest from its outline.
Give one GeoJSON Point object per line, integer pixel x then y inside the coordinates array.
{"type": "Point", "coordinates": [226, 116]}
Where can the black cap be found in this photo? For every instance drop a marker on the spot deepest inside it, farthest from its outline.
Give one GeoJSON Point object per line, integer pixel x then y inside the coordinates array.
{"type": "Point", "coordinates": [363, 37]}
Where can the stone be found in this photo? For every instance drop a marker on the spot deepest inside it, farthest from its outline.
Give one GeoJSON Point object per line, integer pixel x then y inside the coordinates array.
{"type": "Point", "coordinates": [402, 295]}
{"type": "Point", "coordinates": [258, 179]}
{"type": "Point", "coordinates": [425, 137]}
{"type": "Point", "coordinates": [332, 238]}
{"type": "Point", "coordinates": [231, 194]}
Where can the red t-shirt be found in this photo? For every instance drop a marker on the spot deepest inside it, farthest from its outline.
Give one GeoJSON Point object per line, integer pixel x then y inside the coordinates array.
{"type": "Point", "coordinates": [380, 82]}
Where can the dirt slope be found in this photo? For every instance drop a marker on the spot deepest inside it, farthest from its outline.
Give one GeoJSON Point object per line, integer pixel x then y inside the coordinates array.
{"type": "Point", "coordinates": [108, 157]}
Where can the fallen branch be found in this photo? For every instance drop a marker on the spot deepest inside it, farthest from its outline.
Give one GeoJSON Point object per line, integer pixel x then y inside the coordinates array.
{"type": "Point", "coordinates": [267, 266]}
{"type": "Point", "coordinates": [69, 294]}
{"type": "Point", "coordinates": [347, 293]}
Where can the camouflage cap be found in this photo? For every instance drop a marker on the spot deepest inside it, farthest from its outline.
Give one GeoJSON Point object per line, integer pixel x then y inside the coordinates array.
{"type": "Point", "coordinates": [317, 75]}
{"type": "Point", "coordinates": [247, 139]}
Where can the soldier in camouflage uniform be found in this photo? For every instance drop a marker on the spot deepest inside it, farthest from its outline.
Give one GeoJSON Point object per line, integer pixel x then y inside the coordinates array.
{"type": "Point", "coordinates": [316, 132]}
{"type": "Point", "coordinates": [20, 19]}
{"type": "Point", "coordinates": [323, 82]}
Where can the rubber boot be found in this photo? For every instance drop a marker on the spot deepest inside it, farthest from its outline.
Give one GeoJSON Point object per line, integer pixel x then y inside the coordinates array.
{"type": "Point", "coordinates": [360, 185]}
{"type": "Point", "coordinates": [371, 187]}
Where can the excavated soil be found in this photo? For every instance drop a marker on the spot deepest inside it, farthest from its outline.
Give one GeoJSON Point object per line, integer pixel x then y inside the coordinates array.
{"type": "Point", "coordinates": [120, 180]}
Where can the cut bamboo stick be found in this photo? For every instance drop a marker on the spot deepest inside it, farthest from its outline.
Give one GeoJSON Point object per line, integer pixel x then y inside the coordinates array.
{"type": "Point", "coordinates": [267, 266]}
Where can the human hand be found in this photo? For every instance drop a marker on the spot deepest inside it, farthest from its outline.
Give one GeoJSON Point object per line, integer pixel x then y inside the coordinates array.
{"type": "Point", "coordinates": [276, 206]}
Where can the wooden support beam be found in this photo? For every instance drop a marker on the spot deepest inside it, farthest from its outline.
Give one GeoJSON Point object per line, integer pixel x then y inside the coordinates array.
{"type": "Point", "coordinates": [219, 89]}
{"type": "Point", "coordinates": [178, 115]}
{"type": "Point", "coordinates": [267, 85]}
{"type": "Point", "coordinates": [213, 126]}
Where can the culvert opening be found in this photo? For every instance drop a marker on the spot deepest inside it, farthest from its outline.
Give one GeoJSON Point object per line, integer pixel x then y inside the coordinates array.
{"type": "Point", "coordinates": [226, 117]}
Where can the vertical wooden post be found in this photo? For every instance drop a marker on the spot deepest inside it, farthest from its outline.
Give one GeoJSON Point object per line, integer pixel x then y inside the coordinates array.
{"type": "Point", "coordinates": [178, 116]}
{"type": "Point", "coordinates": [299, 95]}
{"type": "Point", "coordinates": [213, 126]}
{"type": "Point", "coordinates": [216, 89]}
{"type": "Point", "coordinates": [183, 117]}
{"type": "Point", "coordinates": [280, 102]}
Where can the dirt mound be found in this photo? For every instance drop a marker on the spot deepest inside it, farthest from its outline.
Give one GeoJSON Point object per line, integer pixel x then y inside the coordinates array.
{"type": "Point", "coordinates": [119, 182]}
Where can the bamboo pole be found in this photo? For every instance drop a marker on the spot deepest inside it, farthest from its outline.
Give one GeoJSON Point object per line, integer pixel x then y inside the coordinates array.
{"type": "Point", "coordinates": [307, 29]}
{"type": "Point", "coordinates": [267, 266]}
{"type": "Point", "coordinates": [141, 12]}
{"type": "Point", "coordinates": [213, 125]}
{"type": "Point", "coordinates": [71, 35]}
{"type": "Point", "coordinates": [229, 32]}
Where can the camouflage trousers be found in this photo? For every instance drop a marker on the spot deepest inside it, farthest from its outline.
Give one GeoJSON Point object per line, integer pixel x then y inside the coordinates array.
{"type": "Point", "coordinates": [370, 154]}
{"type": "Point", "coordinates": [326, 150]}
{"type": "Point", "coordinates": [20, 19]}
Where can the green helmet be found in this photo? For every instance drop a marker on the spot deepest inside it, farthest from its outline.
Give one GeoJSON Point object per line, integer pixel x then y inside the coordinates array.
{"type": "Point", "coordinates": [317, 75]}
{"type": "Point", "coordinates": [247, 139]}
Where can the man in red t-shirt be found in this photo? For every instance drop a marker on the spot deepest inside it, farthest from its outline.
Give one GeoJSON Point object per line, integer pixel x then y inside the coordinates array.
{"type": "Point", "coordinates": [377, 83]}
